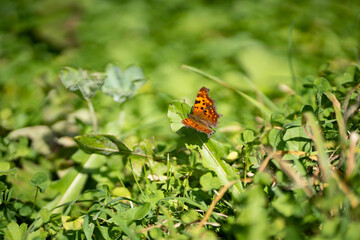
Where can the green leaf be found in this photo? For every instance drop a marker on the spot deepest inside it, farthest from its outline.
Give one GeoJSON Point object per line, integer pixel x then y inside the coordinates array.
{"type": "Point", "coordinates": [70, 224]}
{"type": "Point", "coordinates": [81, 82]}
{"type": "Point", "coordinates": [189, 217]}
{"type": "Point", "coordinates": [118, 220]}
{"type": "Point", "coordinates": [211, 153]}
{"type": "Point", "coordinates": [296, 137]}
{"type": "Point", "coordinates": [248, 135]}
{"type": "Point", "coordinates": [209, 182]}
{"type": "Point", "coordinates": [3, 187]}
{"type": "Point", "coordinates": [88, 227]}
{"type": "Point", "coordinates": [122, 85]}
{"type": "Point", "coordinates": [282, 205]}
{"type": "Point", "coordinates": [154, 198]}
{"type": "Point", "coordinates": [137, 213]}
{"type": "Point", "coordinates": [178, 111]}
{"type": "Point", "coordinates": [356, 74]}
{"type": "Point", "coordinates": [45, 214]}
{"type": "Point", "coordinates": [14, 231]}
{"type": "Point", "coordinates": [25, 211]}
{"type": "Point", "coordinates": [277, 119]}
{"type": "Point", "coordinates": [101, 144]}
{"type": "Point", "coordinates": [41, 181]}
{"type": "Point", "coordinates": [6, 170]}
{"type": "Point", "coordinates": [275, 137]}
{"type": "Point", "coordinates": [205, 181]}
{"type": "Point", "coordinates": [321, 85]}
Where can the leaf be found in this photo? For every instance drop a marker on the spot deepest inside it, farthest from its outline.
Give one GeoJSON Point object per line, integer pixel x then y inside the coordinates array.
{"type": "Point", "coordinates": [45, 214]}
{"type": "Point", "coordinates": [6, 170]}
{"type": "Point", "coordinates": [283, 205]}
{"type": "Point", "coordinates": [69, 224]}
{"type": "Point", "coordinates": [321, 85]}
{"type": "Point", "coordinates": [211, 152]}
{"type": "Point", "coordinates": [356, 75]}
{"type": "Point", "coordinates": [189, 217]}
{"type": "Point", "coordinates": [275, 137]}
{"type": "Point", "coordinates": [137, 213]}
{"type": "Point", "coordinates": [14, 231]}
{"type": "Point", "coordinates": [88, 228]}
{"type": "Point", "coordinates": [277, 119]}
{"type": "Point", "coordinates": [3, 187]}
{"type": "Point", "coordinates": [121, 192]}
{"type": "Point", "coordinates": [25, 211]}
{"type": "Point", "coordinates": [154, 198]}
{"type": "Point", "coordinates": [101, 144]}
{"type": "Point", "coordinates": [122, 85]}
{"type": "Point", "coordinates": [118, 220]}
{"type": "Point", "coordinates": [296, 137]}
{"type": "Point", "coordinates": [209, 182]}
{"type": "Point", "coordinates": [178, 110]}
{"type": "Point", "coordinates": [248, 135]}
{"type": "Point", "coordinates": [81, 82]}
{"type": "Point", "coordinates": [41, 181]}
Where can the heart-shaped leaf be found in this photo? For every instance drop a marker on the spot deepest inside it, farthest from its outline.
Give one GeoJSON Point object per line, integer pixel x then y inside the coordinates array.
{"type": "Point", "coordinates": [122, 85]}
{"type": "Point", "coordinates": [81, 82]}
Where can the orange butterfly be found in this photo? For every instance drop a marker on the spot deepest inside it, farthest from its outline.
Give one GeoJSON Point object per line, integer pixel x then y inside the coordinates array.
{"type": "Point", "coordinates": [203, 113]}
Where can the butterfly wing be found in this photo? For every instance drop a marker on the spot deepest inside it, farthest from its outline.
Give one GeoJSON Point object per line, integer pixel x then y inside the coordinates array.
{"type": "Point", "coordinates": [203, 114]}
{"type": "Point", "coordinates": [198, 126]}
{"type": "Point", "coordinates": [204, 108]}
{"type": "Point", "coordinates": [202, 101]}
{"type": "Point", "coordinates": [210, 116]}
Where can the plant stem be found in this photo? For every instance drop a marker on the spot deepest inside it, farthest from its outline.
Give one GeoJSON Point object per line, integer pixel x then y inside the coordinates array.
{"type": "Point", "coordinates": [33, 207]}
{"type": "Point", "coordinates": [92, 115]}
{"type": "Point", "coordinates": [257, 104]}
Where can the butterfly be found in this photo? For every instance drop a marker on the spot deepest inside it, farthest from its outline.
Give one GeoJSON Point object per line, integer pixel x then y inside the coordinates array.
{"type": "Point", "coordinates": [203, 113]}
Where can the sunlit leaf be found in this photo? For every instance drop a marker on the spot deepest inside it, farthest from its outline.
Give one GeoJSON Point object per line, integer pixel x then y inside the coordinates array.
{"type": "Point", "coordinates": [123, 84]}
{"type": "Point", "coordinates": [101, 144]}
{"type": "Point", "coordinates": [81, 82]}
{"type": "Point", "coordinates": [41, 181]}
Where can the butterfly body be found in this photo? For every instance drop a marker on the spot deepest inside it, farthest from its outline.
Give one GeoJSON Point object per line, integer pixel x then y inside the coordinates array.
{"type": "Point", "coordinates": [203, 115]}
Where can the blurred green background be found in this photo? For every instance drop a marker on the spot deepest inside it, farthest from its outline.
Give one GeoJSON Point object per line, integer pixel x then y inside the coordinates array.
{"type": "Point", "coordinates": [234, 40]}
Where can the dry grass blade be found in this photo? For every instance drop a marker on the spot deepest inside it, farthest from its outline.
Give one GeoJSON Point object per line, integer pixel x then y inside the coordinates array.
{"type": "Point", "coordinates": [214, 202]}
{"type": "Point", "coordinates": [354, 139]}
{"type": "Point", "coordinates": [319, 145]}
{"type": "Point", "coordinates": [339, 118]}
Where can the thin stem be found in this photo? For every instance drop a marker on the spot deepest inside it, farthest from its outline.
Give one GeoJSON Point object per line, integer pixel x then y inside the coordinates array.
{"type": "Point", "coordinates": [92, 115]}
{"type": "Point", "coordinates": [133, 173]}
{"type": "Point", "coordinates": [257, 104]}
{"type": "Point", "coordinates": [36, 193]}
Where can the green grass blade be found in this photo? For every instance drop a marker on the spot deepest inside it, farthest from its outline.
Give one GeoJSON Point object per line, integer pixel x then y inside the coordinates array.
{"type": "Point", "coordinates": [257, 104]}
{"type": "Point", "coordinates": [319, 144]}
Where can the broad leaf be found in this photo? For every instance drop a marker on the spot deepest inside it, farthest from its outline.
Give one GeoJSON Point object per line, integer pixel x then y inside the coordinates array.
{"type": "Point", "coordinates": [81, 82]}
{"type": "Point", "coordinates": [101, 144]}
{"type": "Point", "coordinates": [177, 112]}
{"type": "Point", "coordinates": [41, 181]}
{"type": "Point", "coordinates": [122, 85]}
